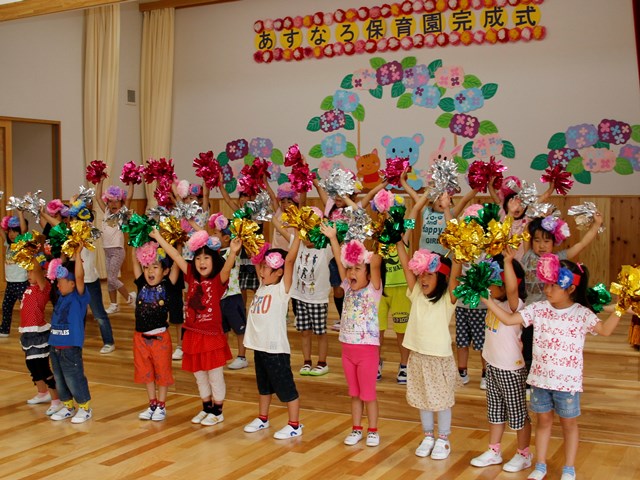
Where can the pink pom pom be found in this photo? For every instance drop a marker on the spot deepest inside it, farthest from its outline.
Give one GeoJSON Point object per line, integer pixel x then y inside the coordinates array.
{"type": "Point", "coordinates": [259, 257]}
{"type": "Point", "coordinates": [274, 260]}
{"type": "Point", "coordinates": [395, 167]}
{"type": "Point", "coordinates": [383, 201]}
{"type": "Point", "coordinates": [55, 206]}
{"type": "Point", "coordinates": [354, 253]}
{"type": "Point", "coordinates": [301, 178]}
{"type": "Point", "coordinates": [419, 263]}
{"type": "Point", "coordinates": [218, 221]}
{"type": "Point", "coordinates": [183, 188]}
{"type": "Point", "coordinates": [293, 156]}
{"type": "Point", "coordinates": [185, 225]}
{"type": "Point", "coordinates": [53, 268]}
{"type": "Point", "coordinates": [131, 173]}
{"type": "Point", "coordinates": [147, 253]}
{"type": "Point", "coordinates": [198, 240]}
{"type": "Point", "coordinates": [96, 171]}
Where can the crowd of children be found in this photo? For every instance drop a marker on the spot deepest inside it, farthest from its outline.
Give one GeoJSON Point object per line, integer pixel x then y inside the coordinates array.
{"type": "Point", "coordinates": [539, 303]}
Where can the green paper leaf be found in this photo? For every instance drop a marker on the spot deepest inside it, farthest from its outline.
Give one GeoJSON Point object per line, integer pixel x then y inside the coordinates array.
{"type": "Point", "coordinates": [277, 157]}
{"type": "Point", "coordinates": [249, 159]}
{"type": "Point", "coordinates": [377, 62]}
{"type": "Point", "coordinates": [358, 113]}
{"type": "Point", "coordinates": [443, 91]}
{"type": "Point", "coordinates": [351, 151]}
{"type": "Point", "coordinates": [405, 101]}
{"type": "Point", "coordinates": [575, 166]}
{"type": "Point", "coordinates": [223, 159]}
{"type": "Point", "coordinates": [583, 177]}
{"type": "Point", "coordinates": [316, 151]}
{"type": "Point", "coordinates": [397, 89]}
{"type": "Point", "coordinates": [623, 166]}
{"type": "Point", "coordinates": [601, 145]}
{"type": "Point", "coordinates": [463, 165]}
{"type": "Point", "coordinates": [314, 124]}
{"type": "Point", "coordinates": [487, 127]}
{"type": "Point", "coordinates": [559, 140]}
{"type": "Point", "coordinates": [447, 104]}
{"type": "Point", "coordinates": [508, 150]}
{"type": "Point", "coordinates": [444, 120]}
{"type": "Point", "coordinates": [283, 178]}
{"type": "Point", "coordinates": [349, 124]}
{"type": "Point", "coordinates": [230, 186]}
{"type": "Point", "coordinates": [467, 150]}
{"type": "Point", "coordinates": [408, 62]}
{"type": "Point", "coordinates": [433, 66]}
{"type": "Point", "coordinates": [377, 92]}
{"type": "Point", "coordinates": [540, 162]}
{"type": "Point", "coordinates": [471, 81]}
{"type": "Point", "coordinates": [347, 82]}
{"type": "Point", "coordinates": [489, 90]}
{"type": "Point", "coordinates": [327, 103]}
{"type": "Point", "coordinates": [635, 133]}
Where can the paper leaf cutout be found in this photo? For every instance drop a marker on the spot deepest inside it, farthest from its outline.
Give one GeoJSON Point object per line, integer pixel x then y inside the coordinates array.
{"type": "Point", "coordinates": [277, 157]}
{"type": "Point", "coordinates": [397, 89]}
{"type": "Point", "coordinates": [351, 151]}
{"type": "Point", "coordinates": [471, 81]}
{"type": "Point", "coordinates": [447, 104]}
{"type": "Point", "coordinates": [327, 103]}
{"type": "Point", "coordinates": [489, 90]}
{"type": "Point", "coordinates": [539, 162]}
{"type": "Point", "coordinates": [347, 82]}
{"type": "Point", "coordinates": [623, 166]}
{"type": "Point", "coordinates": [444, 120]}
{"type": "Point", "coordinates": [583, 177]}
{"type": "Point", "coordinates": [601, 145]}
{"type": "Point", "coordinates": [377, 92]}
{"type": "Point", "coordinates": [508, 150]}
{"type": "Point", "coordinates": [349, 124]}
{"type": "Point", "coordinates": [487, 127]}
{"type": "Point", "coordinates": [316, 151]}
{"type": "Point", "coordinates": [575, 165]}
{"type": "Point", "coordinates": [231, 185]}
{"type": "Point", "coordinates": [408, 62]}
{"type": "Point", "coordinates": [433, 66]}
{"type": "Point", "coordinates": [377, 62]}
{"type": "Point", "coordinates": [635, 133]}
{"type": "Point", "coordinates": [557, 141]}
{"type": "Point", "coordinates": [467, 151]}
{"type": "Point", "coordinates": [463, 165]}
{"type": "Point", "coordinates": [249, 159]}
{"type": "Point", "coordinates": [283, 178]}
{"type": "Point", "coordinates": [405, 100]}
{"type": "Point", "coordinates": [443, 91]}
{"type": "Point", "coordinates": [358, 113]}
{"type": "Point", "coordinates": [223, 159]}
{"type": "Point", "coordinates": [314, 124]}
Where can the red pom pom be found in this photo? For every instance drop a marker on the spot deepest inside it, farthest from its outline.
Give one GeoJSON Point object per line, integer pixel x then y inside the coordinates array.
{"type": "Point", "coordinates": [301, 178]}
{"type": "Point", "coordinates": [131, 173]}
{"type": "Point", "coordinates": [96, 171]}
{"type": "Point", "coordinates": [560, 179]}
{"type": "Point", "coordinates": [395, 168]}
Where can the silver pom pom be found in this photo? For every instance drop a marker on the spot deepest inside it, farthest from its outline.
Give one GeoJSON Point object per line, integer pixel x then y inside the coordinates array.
{"type": "Point", "coordinates": [339, 183]}
{"type": "Point", "coordinates": [261, 207]}
{"type": "Point", "coordinates": [15, 203]}
{"type": "Point", "coordinates": [359, 224]}
{"type": "Point", "coordinates": [186, 210]}
{"type": "Point", "coordinates": [33, 204]}
{"type": "Point", "coordinates": [96, 233]}
{"type": "Point", "coordinates": [119, 218]}
{"type": "Point", "coordinates": [540, 210]}
{"type": "Point", "coordinates": [444, 178]}
{"type": "Point", "coordinates": [584, 215]}
{"type": "Point", "coordinates": [528, 194]}
{"type": "Point", "coordinates": [86, 194]}
{"type": "Point", "coordinates": [158, 213]}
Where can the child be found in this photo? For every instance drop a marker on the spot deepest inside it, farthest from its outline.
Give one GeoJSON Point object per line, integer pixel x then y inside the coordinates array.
{"type": "Point", "coordinates": [359, 331]}
{"type": "Point", "coordinates": [266, 335]}
{"type": "Point", "coordinates": [67, 337]}
{"type": "Point", "coordinates": [205, 347]}
{"type": "Point", "coordinates": [34, 338]}
{"type": "Point", "coordinates": [506, 372]}
{"type": "Point", "coordinates": [15, 275]}
{"type": "Point", "coordinates": [310, 298]}
{"type": "Point", "coordinates": [113, 241]}
{"type": "Point", "coordinates": [560, 325]}
{"type": "Point", "coordinates": [92, 284]}
{"type": "Point", "coordinates": [155, 278]}
{"type": "Point", "coordinates": [285, 197]}
{"type": "Point", "coordinates": [431, 371]}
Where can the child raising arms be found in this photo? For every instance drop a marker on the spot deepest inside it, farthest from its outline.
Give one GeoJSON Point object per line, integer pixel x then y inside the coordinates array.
{"type": "Point", "coordinates": [359, 331]}
{"type": "Point", "coordinates": [431, 371]}
{"type": "Point", "coordinates": [560, 325]}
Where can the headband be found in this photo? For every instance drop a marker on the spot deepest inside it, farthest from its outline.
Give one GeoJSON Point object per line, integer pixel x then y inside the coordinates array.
{"type": "Point", "coordinates": [354, 253]}
{"type": "Point", "coordinates": [424, 260]}
{"type": "Point", "coordinates": [550, 271]}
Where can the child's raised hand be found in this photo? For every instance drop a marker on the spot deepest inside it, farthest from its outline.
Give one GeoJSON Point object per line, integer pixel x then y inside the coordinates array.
{"type": "Point", "coordinates": [598, 219]}
{"type": "Point", "coordinates": [328, 230]}
{"type": "Point", "coordinates": [445, 201]}
{"type": "Point", "coordinates": [236, 245]}
{"type": "Point", "coordinates": [509, 253]}
{"type": "Point", "coordinates": [154, 233]}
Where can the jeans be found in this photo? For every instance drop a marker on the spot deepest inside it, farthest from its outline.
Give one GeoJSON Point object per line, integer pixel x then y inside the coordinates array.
{"type": "Point", "coordinates": [68, 371]}
{"type": "Point", "coordinates": [98, 311]}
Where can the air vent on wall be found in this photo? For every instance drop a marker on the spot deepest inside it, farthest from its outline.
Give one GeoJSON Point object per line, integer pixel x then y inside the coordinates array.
{"type": "Point", "coordinates": [131, 97]}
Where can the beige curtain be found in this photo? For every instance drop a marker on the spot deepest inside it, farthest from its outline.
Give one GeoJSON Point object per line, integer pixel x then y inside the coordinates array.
{"type": "Point", "coordinates": [156, 87]}
{"type": "Point", "coordinates": [101, 80]}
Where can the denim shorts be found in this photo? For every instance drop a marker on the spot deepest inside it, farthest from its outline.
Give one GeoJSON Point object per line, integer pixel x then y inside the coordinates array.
{"type": "Point", "coordinates": [565, 404]}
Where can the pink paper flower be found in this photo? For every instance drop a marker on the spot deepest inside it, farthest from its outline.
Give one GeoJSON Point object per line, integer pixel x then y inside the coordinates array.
{"type": "Point", "coordinates": [354, 253]}
{"type": "Point", "coordinates": [218, 221]}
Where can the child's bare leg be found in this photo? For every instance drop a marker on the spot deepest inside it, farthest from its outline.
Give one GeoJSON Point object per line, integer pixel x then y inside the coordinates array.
{"type": "Point", "coordinates": [163, 390]}
{"type": "Point", "coordinates": [242, 351]}
{"type": "Point", "coordinates": [523, 436]}
{"type": "Point", "coordinates": [293, 409]}
{"type": "Point", "coordinates": [306, 345]}
{"type": "Point", "coordinates": [571, 439]}
{"type": "Point", "coordinates": [543, 434]}
{"type": "Point", "coordinates": [356, 411]}
{"type": "Point", "coordinates": [323, 347]}
{"type": "Point", "coordinates": [263, 405]}
{"type": "Point", "coordinates": [372, 413]}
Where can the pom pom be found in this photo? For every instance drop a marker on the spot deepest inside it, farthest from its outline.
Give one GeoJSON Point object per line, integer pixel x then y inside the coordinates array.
{"type": "Point", "coordinates": [560, 179]}
{"type": "Point", "coordinates": [147, 254]}
{"type": "Point", "coordinates": [138, 228]}
{"type": "Point", "coordinates": [218, 221]}
{"type": "Point", "coordinates": [509, 185]}
{"type": "Point", "coordinates": [293, 156]}
{"type": "Point", "coordinates": [598, 297]}
{"type": "Point", "coordinates": [424, 260]}
{"type": "Point", "coordinates": [301, 178]}
{"type": "Point", "coordinates": [131, 173]}
{"type": "Point", "coordinates": [10, 222]}
{"type": "Point", "coordinates": [584, 215]}
{"type": "Point", "coordinates": [259, 257]}
{"type": "Point", "coordinates": [183, 188]}
{"type": "Point", "coordinates": [195, 189]}
{"type": "Point", "coordinates": [480, 173]}
{"type": "Point", "coordinates": [253, 177]}
{"type": "Point", "coordinates": [161, 170]}
{"type": "Point", "coordinates": [208, 168]}
{"type": "Point", "coordinates": [476, 282]}
{"type": "Point", "coordinates": [55, 206]}
{"type": "Point", "coordinates": [627, 288]}
{"type": "Point", "coordinates": [96, 171]}
{"type": "Point", "coordinates": [339, 183]}
{"type": "Point", "coordinates": [395, 169]}
{"type": "Point", "coordinates": [198, 240]}
{"type": "Point", "coordinates": [354, 253]}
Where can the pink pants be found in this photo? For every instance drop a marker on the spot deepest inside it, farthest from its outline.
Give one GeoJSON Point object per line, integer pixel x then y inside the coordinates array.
{"type": "Point", "coordinates": [360, 364]}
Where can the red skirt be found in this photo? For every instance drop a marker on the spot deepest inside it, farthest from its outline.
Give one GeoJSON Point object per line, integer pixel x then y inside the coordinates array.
{"type": "Point", "coordinates": [204, 352]}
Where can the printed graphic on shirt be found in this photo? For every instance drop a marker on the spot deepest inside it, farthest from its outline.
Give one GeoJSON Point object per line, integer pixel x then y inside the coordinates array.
{"type": "Point", "coordinates": [306, 273]}
{"type": "Point", "coordinates": [260, 304]}
{"type": "Point", "coordinates": [491, 322]}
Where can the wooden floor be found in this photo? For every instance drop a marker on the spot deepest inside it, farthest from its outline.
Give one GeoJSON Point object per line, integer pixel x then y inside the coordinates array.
{"type": "Point", "coordinates": [115, 444]}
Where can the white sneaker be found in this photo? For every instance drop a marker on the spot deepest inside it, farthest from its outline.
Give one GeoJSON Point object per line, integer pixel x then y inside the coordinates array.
{"type": "Point", "coordinates": [335, 327]}
{"type": "Point", "coordinates": [107, 349]}
{"type": "Point", "coordinates": [159, 414]}
{"type": "Point", "coordinates": [147, 414]}
{"type": "Point", "coordinates": [518, 463]}
{"type": "Point", "coordinates": [490, 457]}
{"type": "Point", "coordinates": [305, 370]}
{"type": "Point", "coordinates": [82, 415]}
{"type": "Point", "coordinates": [53, 409]}
{"type": "Point", "coordinates": [113, 308]}
{"type": "Point", "coordinates": [318, 371]}
{"type": "Point", "coordinates": [46, 398]}
{"type": "Point", "coordinates": [354, 437]}
{"type": "Point", "coordinates": [199, 417]}
{"type": "Point", "coordinates": [288, 432]}
{"type": "Point", "coordinates": [212, 419]}
{"type": "Point", "coordinates": [483, 383]}
{"type": "Point", "coordinates": [177, 354]}
{"type": "Point", "coordinates": [256, 425]}
{"type": "Point", "coordinates": [465, 378]}
{"type": "Point", "coordinates": [238, 363]}
{"type": "Point", "coordinates": [131, 299]}
{"type": "Point", "coordinates": [536, 475]}
{"type": "Point", "coordinates": [4, 335]}
{"type": "Point", "coordinates": [568, 476]}
{"type": "Point", "coordinates": [63, 414]}
{"type": "Point", "coordinates": [425, 447]}
{"type": "Point", "coordinates": [441, 449]}
{"type": "Point", "coordinates": [373, 439]}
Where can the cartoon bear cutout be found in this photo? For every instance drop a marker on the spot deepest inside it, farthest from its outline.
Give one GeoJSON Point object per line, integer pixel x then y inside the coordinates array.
{"type": "Point", "coordinates": [368, 169]}
{"type": "Point", "coordinates": [406, 148]}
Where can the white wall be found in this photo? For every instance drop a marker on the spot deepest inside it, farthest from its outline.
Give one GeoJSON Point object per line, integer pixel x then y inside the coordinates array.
{"type": "Point", "coordinates": [584, 71]}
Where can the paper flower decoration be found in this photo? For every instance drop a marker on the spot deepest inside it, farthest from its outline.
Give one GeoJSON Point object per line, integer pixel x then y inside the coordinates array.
{"type": "Point", "coordinates": [115, 194]}
{"type": "Point", "coordinates": [383, 201]}
{"type": "Point", "coordinates": [10, 222]}
{"type": "Point", "coordinates": [96, 171]}
{"type": "Point", "coordinates": [150, 253]}
{"type": "Point", "coordinates": [259, 257]}
{"type": "Point", "coordinates": [549, 270]}
{"type": "Point", "coordinates": [274, 260]}
{"type": "Point", "coordinates": [218, 221]}
{"type": "Point", "coordinates": [201, 239]}
{"type": "Point", "coordinates": [55, 206]}
{"type": "Point", "coordinates": [354, 253]}
{"type": "Point", "coordinates": [424, 261]}
{"type": "Point", "coordinates": [557, 227]}
{"type": "Point", "coordinates": [56, 270]}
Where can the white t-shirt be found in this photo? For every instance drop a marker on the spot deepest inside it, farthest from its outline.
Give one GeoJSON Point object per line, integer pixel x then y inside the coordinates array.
{"type": "Point", "coordinates": [89, 265]}
{"type": "Point", "coordinates": [428, 327]}
{"type": "Point", "coordinates": [502, 346]}
{"type": "Point", "coordinates": [112, 237]}
{"type": "Point", "coordinates": [558, 344]}
{"type": "Point", "coordinates": [267, 320]}
{"type": "Point", "coordinates": [12, 271]}
{"type": "Point", "coordinates": [311, 275]}
{"type": "Point", "coordinates": [359, 324]}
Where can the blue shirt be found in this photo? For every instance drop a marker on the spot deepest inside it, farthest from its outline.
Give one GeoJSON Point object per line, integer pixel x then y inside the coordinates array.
{"type": "Point", "coordinates": [67, 321]}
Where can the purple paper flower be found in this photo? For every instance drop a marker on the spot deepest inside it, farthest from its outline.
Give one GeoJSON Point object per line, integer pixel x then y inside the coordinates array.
{"type": "Point", "coordinates": [416, 76]}
{"type": "Point", "coordinates": [389, 73]}
{"type": "Point", "coordinates": [332, 120]}
{"type": "Point", "coordinates": [346, 101]}
{"type": "Point", "coordinates": [237, 149]}
{"type": "Point", "coordinates": [561, 156]}
{"type": "Point", "coordinates": [464, 125]}
{"type": "Point", "coordinates": [631, 153]}
{"type": "Point", "coordinates": [364, 79]}
{"type": "Point", "coordinates": [611, 131]}
{"type": "Point", "coordinates": [581, 136]}
{"type": "Point", "coordinates": [260, 147]}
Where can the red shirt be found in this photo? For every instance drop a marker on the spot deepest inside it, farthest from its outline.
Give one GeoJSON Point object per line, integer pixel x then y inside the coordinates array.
{"type": "Point", "coordinates": [203, 304]}
{"type": "Point", "coordinates": [32, 307]}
